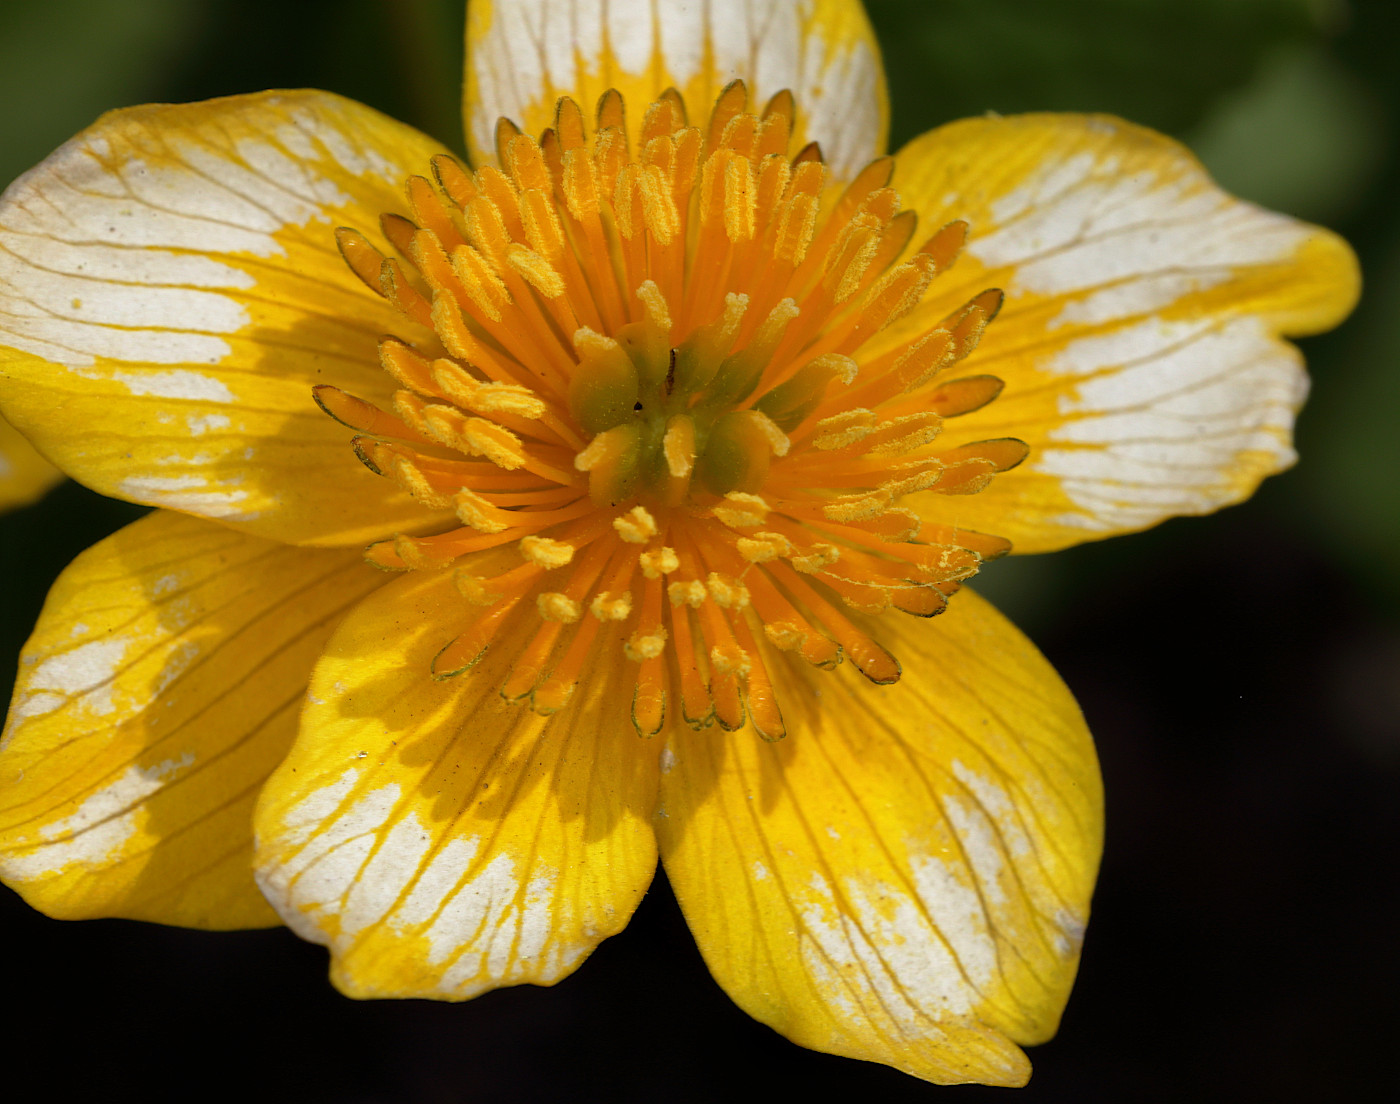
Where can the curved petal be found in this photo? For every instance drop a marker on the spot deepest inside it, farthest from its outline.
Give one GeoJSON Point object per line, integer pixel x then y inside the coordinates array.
{"type": "Point", "coordinates": [24, 474]}
{"type": "Point", "coordinates": [170, 291]}
{"type": "Point", "coordinates": [158, 691]}
{"type": "Point", "coordinates": [522, 55]}
{"type": "Point", "coordinates": [440, 840]}
{"type": "Point", "coordinates": [1139, 341]}
{"type": "Point", "coordinates": [905, 878]}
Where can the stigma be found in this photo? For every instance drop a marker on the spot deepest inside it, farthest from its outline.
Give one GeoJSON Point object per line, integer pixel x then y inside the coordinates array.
{"type": "Point", "coordinates": [637, 367]}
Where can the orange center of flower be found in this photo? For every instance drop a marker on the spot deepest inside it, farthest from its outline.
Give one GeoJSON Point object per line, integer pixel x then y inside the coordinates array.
{"type": "Point", "coordinates": [642, 379]}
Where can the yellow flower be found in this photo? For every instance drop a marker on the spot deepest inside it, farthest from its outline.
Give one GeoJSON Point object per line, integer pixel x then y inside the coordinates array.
{"type": "Point", "coordinates": [678, 417]}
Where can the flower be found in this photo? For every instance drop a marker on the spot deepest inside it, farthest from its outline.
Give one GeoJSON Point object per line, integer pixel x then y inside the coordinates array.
{"type": "Point", "coordinates": [673, 407]}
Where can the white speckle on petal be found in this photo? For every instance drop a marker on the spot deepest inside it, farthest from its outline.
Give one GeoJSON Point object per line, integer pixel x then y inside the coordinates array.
{"type": "Point", "coordinates": [315, 879]}
{"type": "Point", "coordinates": [913, 958]}
{"type": "Point", "coordinates": [179, 493]}
{"type": "Point", "coordinates": [198, 426]}
{"type": "Point", "coordinates": [435, 885]}
{"type": "Point", "coordinates": [97, 831]}
{"type": "Point", "coordinates": [395, 862]}
{"type": "Point", "coordinates": [1069, 936]}
{"type": "Point", "coordinates": [515, 926]}
{"type": "Point", "coordinates": [87, 670]}
{"type": "Point", "coordinates": [185, 385]}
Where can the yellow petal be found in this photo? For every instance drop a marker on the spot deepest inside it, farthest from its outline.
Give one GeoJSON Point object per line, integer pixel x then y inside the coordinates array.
{"type": "Point", "coordinates": [158, 691]}
{"type": "Point", "coordinates": [1139, 341]}
{"type": "Point", "coordinates": [522, 55]}
{"type": "Point", "coordinates": [24, 474]}
{"type": "Point", "coordinates": [905, 878]}
{"type": "Point", "coordinates": [171, 290]}
{"type": "Point", "coordinates": [441, 841]}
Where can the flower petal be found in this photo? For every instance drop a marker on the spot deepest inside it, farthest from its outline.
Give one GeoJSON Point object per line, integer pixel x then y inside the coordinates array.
{"type": "Point", "coordinates": [1139, 341]}
{"type": "Point", "coordinates": [158, 691]}
{"type": "Point", "coordinates": [522, 55]}
{"type": "Point", "coordinates": [905, 878]}
{"type": "Point", "coordinates": [441, 841]}
{"type": "Point", "coordinates": [24, 474]}
{"type": "Point", "coordinates": [170, 291]}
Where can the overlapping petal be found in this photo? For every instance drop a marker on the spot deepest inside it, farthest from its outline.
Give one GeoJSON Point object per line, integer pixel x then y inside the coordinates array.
{"type": "Point", "coordinates": [522, 55]}
{"type": "Point", "coordinates": [160, 688]}
{"type": "Point", "coordinates": [1139, 341]}
{"type": "Point", "coordinates": [441, 840]}
{"type": "Point", "coordinates": [905, 878]}
{"type": "Point", "coordinates": [170, 291]}
{"type": "Point", "coordinates": [24, 474]}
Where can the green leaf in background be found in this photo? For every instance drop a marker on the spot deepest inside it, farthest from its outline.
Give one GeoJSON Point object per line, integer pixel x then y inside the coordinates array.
{"type": "Point", "coordinates": [1158, 62]}
{"type": "Point", "coordinates": [1303, 137]}
{"type": "Point", "coordinates": [1350, 474]}
{"type": "Point", "coordinates": [65, 62]}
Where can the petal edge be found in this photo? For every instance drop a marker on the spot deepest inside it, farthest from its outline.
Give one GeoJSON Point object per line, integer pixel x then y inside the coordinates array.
{"type": "Point", "coordinates": [905, 878]}
{"type": "Point", "coordinates": [1140, 336]}
{"type": "Point", "coordinates": [441, 841]}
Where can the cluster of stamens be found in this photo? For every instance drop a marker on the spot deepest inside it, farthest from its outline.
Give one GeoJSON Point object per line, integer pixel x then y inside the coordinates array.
{"type": "Point", "coordinates": [639, 378]}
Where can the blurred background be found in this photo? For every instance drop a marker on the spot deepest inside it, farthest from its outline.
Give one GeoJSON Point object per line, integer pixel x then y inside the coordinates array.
{"type": "Point", "coordinates": [1241, 672]}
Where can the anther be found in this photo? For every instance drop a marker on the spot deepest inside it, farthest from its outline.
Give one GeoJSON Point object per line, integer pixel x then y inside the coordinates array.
{"type": "Point", "coordinates": [545, 552]}
{"type": "Point", "coordinates": [478, 512]}
{"type": "Point", "coordinates": [607, 606]}
{"type": "Point", "coordinates": [762, 547]}
{"type": "Point", "coordinates": [727, 592]}
{"type": "Point", "coordinates": [690, 593]}
{"type": "Point", "coordinates": [637, 526]}
{"type": "Point", "coordinates": [741, 510]}
{"type": "Point", "coordinates": [730, 659]}
{"type": "Point", "coordinates": [659, 562]}
{"type": "Point", "coordinates": [817, 557]}
{"type": "Point", "coordinates": [554, 606]}
{"type": "Point", "coordinates": [693, 354]}
{"type": "Point", "coordinates": [645, 645]}
{"type": "Point", "coordinates": [475, 589]}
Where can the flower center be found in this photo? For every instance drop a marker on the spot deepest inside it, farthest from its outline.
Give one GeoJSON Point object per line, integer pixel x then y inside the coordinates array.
{"type": "Point", "coordinates": [660, 392]}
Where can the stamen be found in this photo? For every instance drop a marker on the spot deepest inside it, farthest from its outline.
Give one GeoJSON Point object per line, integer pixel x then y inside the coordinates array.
{"type": "Point", "coordinates": [684, 328]}
{"type": "Point", "coordinates": [547, 553]}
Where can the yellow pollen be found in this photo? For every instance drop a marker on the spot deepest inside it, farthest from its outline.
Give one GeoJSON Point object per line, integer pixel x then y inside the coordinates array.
{"type": "Point", "coordinates": [637, 526]}
{"type": "Point", "coordinates": [679, 446]}
{"type": "Point", "coordinates": [536, 271]}
{"type": "Point", "coordinates": [558, 607]}
{"type": "Point", "coordinates": [640, 645]}
{"type": "Point", "coordinates": [740, 510]}
{"type": "Point", "coordinates": [728, 593]}
{"type": "Point", "coordinates": [612, 607]}
{"type": "Point", "coordinates": [658, 313]}
{"type": "Point", "coordinates": [688, 593]}
{"type": "Point", "coordinates": [817, 557]}
{"type": "Point", "coordinates": [661, 561]}
{"type": "Point", "coordinates": [546, 552]}
{"type": "Point", "coordinates": [660, 365]}
{"type": "Point", "coordinates": [476, 511]}
{"type": "Point", "coordinates": [763, 547]}
{"type": "Point", "coordinates": [594, 454]}
{"type": "Point", "coordinates": [730, 659]}
{"type": "Point", "coordinates": [784, 636]}
{"type": "Point", "coordinates": [476, 590]}
{"type": "Point", "coordinates": [841, 430]}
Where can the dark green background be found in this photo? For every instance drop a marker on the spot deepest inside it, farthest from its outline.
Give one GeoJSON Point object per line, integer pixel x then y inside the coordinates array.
{"type": "Point", "coordinates": [1241, 672]}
